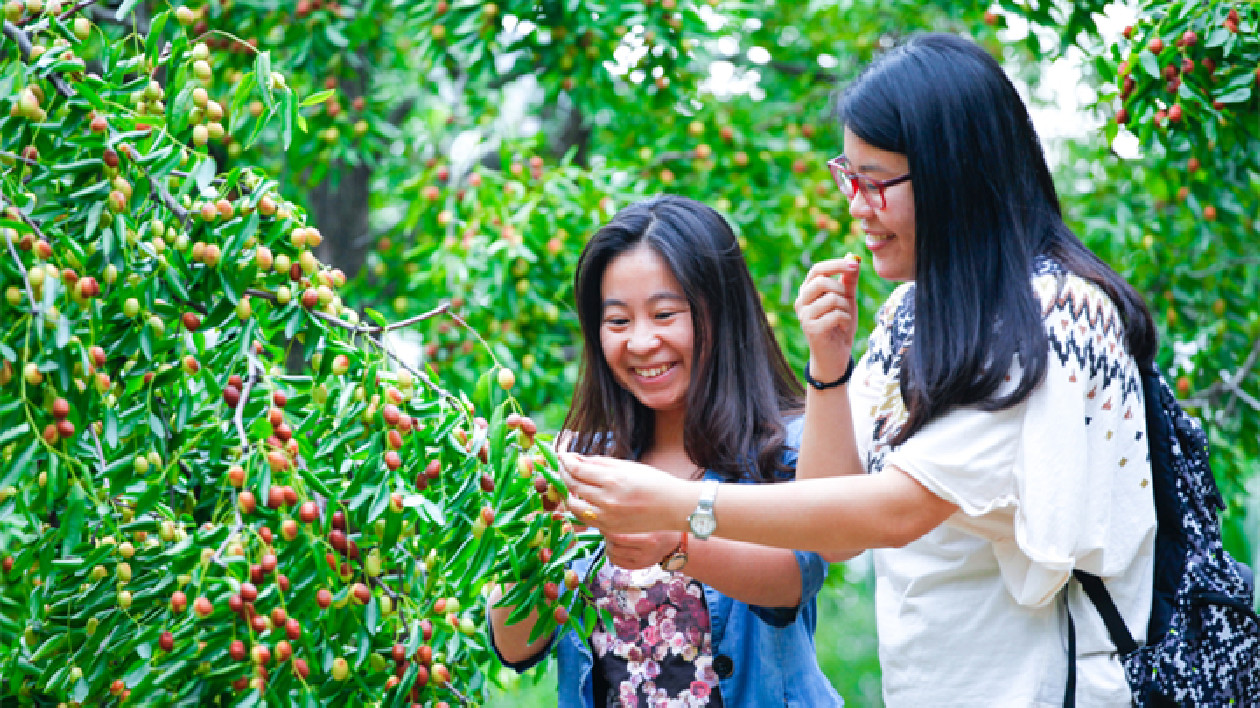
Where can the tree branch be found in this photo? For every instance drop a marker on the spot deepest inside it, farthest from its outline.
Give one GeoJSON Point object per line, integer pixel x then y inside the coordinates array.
{"type": "Point", "coordinates": [1223, 265]}
{"type": "Point", "coordinates": [359, 328]}
{"type": "Point", "coordinates": [19, 158]}
{"type": "Point", "coordinates": [78, 7]}
{"type": "Point", "coordinates": [1230, 383]}
{"type": "Point", "coordinates": [19, 36]}
{"type": "Point", "coordinates": [167, 199]}
{"type": "Point", "coordinates": [17, 258]}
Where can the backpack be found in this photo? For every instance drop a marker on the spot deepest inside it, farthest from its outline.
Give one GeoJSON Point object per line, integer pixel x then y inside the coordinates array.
{"type": "Point", "coordinates": [1203, 638]}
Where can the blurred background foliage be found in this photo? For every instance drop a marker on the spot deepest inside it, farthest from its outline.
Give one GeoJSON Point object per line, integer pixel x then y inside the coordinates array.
{"type": "Point", "coordinates": [466, 149]}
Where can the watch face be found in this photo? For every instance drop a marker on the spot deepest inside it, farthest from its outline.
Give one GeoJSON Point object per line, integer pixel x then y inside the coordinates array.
{"type": "Point", "coordinates": [703, 524]}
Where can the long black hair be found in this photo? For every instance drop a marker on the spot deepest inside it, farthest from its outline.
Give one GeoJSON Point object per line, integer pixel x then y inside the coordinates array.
{"type": "Point", "coordinates": [985, 208]}
{"type": "Point", "coordinates": [741, 385]}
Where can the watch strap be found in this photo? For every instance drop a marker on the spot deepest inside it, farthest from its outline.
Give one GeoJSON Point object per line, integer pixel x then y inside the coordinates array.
{"type": "Point", "coordinates": [676, 559]}
{"type": "Point", "coordinates": [703, 521]}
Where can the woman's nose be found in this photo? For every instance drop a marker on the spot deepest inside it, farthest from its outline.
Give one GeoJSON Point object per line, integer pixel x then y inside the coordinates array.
{"type": "Point", "coordinates": [860, 207]}
{"type": "Point", "coordinates": [643, 339]}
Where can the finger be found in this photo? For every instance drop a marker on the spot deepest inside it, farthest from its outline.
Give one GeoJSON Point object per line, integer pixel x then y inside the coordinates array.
{"type": "Point", "coordinates": [834, 321]}
{"type": "Point", "coordinates": [826, 268]}
{"type": "Point", "coordinates": [848, 279]}
{"type": "Point", "coordinates": [584, 511]}
{"type": "Point", "coordinates": [821, 280]}
{"type": "Point", "coordinates": [575, 472]}
{"type": "Point", "coordinates": [813, 289]}
{"type": "Point", "coordinates": [824, 306]}
{"type": "Point", "coordinates": [834, 266]}
{"type": "Point", "coordinates": [631, 540]}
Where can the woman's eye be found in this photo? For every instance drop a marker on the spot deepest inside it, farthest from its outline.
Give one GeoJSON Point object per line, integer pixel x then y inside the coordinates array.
{"type": "Point", "coordinates": [665, 315]}
{"type": "Point", "coordinates": [616, 321]}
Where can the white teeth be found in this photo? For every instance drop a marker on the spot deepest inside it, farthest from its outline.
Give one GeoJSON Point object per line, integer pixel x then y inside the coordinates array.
{"type": "Point", "coordinates": [652, 373]}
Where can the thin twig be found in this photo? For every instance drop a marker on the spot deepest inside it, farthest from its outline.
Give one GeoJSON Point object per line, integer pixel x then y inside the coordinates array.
{"type": "Point", "coordinates": [24, 160]}
{"type": "Point", "coordinates": [100, 452]}
{"type": "Point", "coordinates": [165, 196]}
{"type": "Point", "coordinates": [1223, 265]}
{"type": "Point", "coordinates": [1230, 383]}
{"type": "Point", "coordinates": [390, 591]}
{"type": "Point", "coordinates": [673, 156]}
{"type": "Point", "coordinates": [78, 7]}
{"type": "Point", "coordinates": [1235, 381]}
{"type": "Point", "coordinates": [26, 281]}
{"type": "Point", "coordinates": [19, 36]}
{"type": "Point", "coordinates": [362, 328]}
{"type": "Point", "coordinates": [444, 307]}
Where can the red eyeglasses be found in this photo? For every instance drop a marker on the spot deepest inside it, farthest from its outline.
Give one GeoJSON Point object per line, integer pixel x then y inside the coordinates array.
{"type": "Point", "coordinates": [851, 182]}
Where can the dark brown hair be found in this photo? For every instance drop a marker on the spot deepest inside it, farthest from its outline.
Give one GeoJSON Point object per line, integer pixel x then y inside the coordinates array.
{"type": "Point", "coordinates": [985, 209]}
{"type": "Point", "coordinates": [741, 386]}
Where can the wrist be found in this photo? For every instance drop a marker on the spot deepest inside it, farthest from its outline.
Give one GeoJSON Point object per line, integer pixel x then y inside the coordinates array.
{"type": "Point", "coordinates": [676, 558]}
{"type": "Point", "coordinates": [827, 363]}
{"type": "Point", "coordinates": [680, 507]}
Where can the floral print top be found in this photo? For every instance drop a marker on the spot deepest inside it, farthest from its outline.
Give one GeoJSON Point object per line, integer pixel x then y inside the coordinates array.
{"type": "Point", "coordinates": [658, 654]}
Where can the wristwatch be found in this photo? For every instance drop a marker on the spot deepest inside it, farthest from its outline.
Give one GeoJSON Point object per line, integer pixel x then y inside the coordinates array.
{"type": "Point", "coordinates": [676, 559]}
{"type": "Point", "coordinates": [702, 521]}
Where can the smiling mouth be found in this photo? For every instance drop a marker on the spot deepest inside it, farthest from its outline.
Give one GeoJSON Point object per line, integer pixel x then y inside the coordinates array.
{"type": "Point", "coordinates": [877, 237]}
{"type": "Point", "coordinates": [653, 372]}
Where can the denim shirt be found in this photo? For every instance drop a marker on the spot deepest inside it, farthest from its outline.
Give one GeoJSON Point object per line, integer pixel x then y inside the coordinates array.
{"type": "Point", "coordinates": [763, 656]}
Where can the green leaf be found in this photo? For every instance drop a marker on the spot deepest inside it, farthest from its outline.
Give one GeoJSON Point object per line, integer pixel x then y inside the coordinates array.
{"type": "Point", "coordinates": [288, 116]}
{"type": "Point", "coordinates": [1217, 37]}
{"type": "Point", "coordinates": [317, 98]}
{"type": "Point", "coordinates": [14, 432]}
{"type": "Point", "coordinates": [425, 506]}
{"type": "Point", "coordinates": [262, 70]}
{"type": "Point", "coordinates": [124, 9]}
{"type": "Point", "coordinates": [17, 469]}
{"type": "Point", "coordinates": [72, 522]}
{"type": "Point", "coordinates": [1236, 95]}
{"type": "Point", "coordinates": [153, 42]}
{"type": "Point", "coordinates": [335, 37]}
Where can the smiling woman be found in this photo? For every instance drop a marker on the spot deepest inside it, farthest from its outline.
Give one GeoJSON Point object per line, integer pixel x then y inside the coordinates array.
{"type": "Point", "coordinates": [681, 371]}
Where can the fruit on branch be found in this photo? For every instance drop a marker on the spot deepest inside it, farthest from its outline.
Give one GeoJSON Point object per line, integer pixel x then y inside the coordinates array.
{"type": "Point", "coordinates": [506, 379]}
{"type": "Point", "coordinates": [340, 669]}
{"type": "Point", "coordinates": [203, 607]}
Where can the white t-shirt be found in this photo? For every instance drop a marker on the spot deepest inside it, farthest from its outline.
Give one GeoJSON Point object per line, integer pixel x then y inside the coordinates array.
{"type": "Point", "coordinates": [971, 614]}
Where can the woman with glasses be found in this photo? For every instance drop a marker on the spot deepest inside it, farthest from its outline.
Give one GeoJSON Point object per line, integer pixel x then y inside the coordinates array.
{"type": "Point", "coordinates": [681, 371]}
{"type": "Point", "coordinates": [992, 437]}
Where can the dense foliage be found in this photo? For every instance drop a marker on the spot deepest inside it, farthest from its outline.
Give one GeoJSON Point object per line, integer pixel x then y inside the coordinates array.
{"type": "Point", "coordinates": [213, 211]}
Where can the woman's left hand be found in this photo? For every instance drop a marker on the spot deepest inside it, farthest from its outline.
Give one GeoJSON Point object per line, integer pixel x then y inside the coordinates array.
{"type": "Point", "coordinates": [639, 550]}
{"type": "Point", "coordinates": [622, 496]}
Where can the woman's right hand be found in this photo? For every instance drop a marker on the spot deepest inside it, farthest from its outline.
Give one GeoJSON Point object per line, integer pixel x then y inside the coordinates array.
{"type": "Point", "coordinates": [826, 305]}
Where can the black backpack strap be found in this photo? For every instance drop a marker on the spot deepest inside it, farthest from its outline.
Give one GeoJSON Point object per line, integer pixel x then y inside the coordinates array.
{"type": "Point", "coordinates": [1069, 693]}
{"type": "Point", "coordinates": [1098, 594]}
